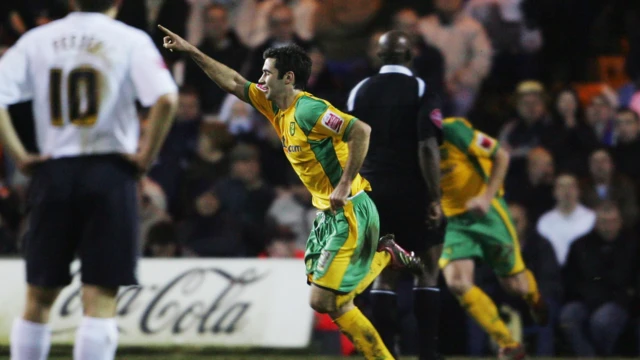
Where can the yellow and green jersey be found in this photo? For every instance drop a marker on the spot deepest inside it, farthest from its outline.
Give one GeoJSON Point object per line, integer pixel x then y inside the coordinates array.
{"type": "Point", "coordinates": [466, 161]}
{"type": "Point", "coordinates": [313, 134]}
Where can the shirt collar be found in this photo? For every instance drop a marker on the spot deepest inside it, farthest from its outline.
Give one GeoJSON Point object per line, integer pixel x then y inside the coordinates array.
{"type": "Point", "coordinates": [385, 69]}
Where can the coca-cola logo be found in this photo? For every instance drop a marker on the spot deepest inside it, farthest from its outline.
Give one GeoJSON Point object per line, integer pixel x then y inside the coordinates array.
{"type": "Point", "coordinates": [178, 305]}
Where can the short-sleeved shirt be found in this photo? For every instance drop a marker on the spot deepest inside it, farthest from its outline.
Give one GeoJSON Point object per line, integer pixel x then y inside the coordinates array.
{"type": "Point", "coordinates": [466, 159]}
{"type": "Point", "coordinates": [314, 137]}
{"type": "Point", "coordinates": [84, 74]}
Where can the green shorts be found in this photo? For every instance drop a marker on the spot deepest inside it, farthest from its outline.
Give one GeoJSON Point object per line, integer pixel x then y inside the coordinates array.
{"type": "Point", "coordinates": [492, 239]}
{"type": "Point", "coordinates": [341, 246]}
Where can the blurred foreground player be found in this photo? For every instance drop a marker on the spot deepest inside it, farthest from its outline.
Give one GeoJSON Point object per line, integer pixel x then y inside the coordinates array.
{"type": "Point", "coordinates": [83, 73]}
{"type": "Point", "coordinates": [473, 168]}
{"type": "Point", "coordinates": [403, 166]}
{"type": "Point", "coordinates": [326, 148]}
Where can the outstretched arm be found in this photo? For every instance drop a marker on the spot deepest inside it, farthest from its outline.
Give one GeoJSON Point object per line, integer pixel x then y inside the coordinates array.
{"type": "Point", "coordinates": [228, 79]}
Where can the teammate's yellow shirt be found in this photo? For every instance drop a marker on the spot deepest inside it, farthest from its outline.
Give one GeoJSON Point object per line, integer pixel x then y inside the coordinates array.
{"type": "Point", "coordinates": [466, 159]}
{"type": "Point", "coordinates": [313, 135]}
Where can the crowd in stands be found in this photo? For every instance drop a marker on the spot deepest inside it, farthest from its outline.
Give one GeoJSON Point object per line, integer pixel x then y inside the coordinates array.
{"type": "Point", "coordinates": [556, 81]}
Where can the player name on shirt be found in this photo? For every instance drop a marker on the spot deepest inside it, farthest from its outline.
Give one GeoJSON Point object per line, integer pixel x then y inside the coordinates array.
{"type": "Point", "coordinates": [86, 43]}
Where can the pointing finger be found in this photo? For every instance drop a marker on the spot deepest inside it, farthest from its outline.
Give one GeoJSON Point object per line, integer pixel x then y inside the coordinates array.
{"type": "Point", "coordinates": [165, 30]}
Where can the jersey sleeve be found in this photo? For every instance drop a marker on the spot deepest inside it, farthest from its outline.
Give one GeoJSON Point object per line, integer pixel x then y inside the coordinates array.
{"type": "Point", "coordinates": [257, 97]}
{"type": "Point", "coordinates": [473, 142]}
{"type": "Point", "coordinates": [430, 117]}
{"type": "Point", "coordinates": [151, 78]}
{"type": "Point", "coordinates": [320, 120]}
{"type": "Point", "coordinates": [14, 76]}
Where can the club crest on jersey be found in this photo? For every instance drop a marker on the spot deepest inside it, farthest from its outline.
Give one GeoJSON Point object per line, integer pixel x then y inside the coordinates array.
{"type": "Point", "coordinates": [436, 117]}
{"type": "Point", "coordinates": [332, 122]}
{"type": "Point", "coordinates": [261, 87]}
{"type": "Point", "coordinates": [484, 142]}
{"type": "Point", "coordinates": [292, 128]}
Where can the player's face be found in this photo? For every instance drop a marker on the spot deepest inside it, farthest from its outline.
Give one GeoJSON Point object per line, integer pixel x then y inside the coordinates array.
{"type": "Point", "coordinates": [274, 87]}
{"type": "Point", "coordinates": [627, 126]}
{"type": "Point", "coordinates": [566, 190]}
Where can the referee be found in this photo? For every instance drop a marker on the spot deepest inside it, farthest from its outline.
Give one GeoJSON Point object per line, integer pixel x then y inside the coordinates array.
{"type": "Point", "coordinates": [403, 167]}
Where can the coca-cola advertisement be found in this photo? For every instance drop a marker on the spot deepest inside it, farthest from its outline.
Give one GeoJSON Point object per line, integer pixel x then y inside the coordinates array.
{"type": "Point", "coordinates": [216, 302]}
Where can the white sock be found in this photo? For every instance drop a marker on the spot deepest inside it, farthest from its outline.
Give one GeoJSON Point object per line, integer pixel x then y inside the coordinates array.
{"type": "Point", "coordinates": [29, 340]}
{"type": "Point", "coordinates": [96, 339]}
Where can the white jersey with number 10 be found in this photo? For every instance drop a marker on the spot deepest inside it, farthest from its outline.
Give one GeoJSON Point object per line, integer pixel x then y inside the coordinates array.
{"type": "Point", "coordinates": [84, 73]}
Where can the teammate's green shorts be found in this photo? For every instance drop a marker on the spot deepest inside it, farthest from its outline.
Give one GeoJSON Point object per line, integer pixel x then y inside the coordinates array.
{"type": "Point", "coordinates": [492, 239]}
{"type": "Point", "coordinates": [341, 246]}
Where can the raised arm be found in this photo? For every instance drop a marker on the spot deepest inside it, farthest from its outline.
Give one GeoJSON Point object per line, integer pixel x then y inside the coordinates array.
{"type": "Point", "coordinates": [228, 79]}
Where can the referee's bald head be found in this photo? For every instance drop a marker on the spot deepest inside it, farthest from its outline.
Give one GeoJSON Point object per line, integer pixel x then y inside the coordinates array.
{"type": "Point", "coordinates": [394, 48]}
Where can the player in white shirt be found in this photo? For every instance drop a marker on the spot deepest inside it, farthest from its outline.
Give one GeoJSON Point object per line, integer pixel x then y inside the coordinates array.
{"type": "Point", "coordinates": [83, 73]}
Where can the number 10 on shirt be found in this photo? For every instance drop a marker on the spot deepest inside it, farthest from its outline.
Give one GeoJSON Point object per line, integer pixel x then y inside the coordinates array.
{"type": "Point", "coordinates": [82, 96]}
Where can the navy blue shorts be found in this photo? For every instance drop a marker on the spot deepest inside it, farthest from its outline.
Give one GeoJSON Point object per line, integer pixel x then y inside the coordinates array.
{"type": "Point", "coordinates": [84, 207]}
{"type": "Point", "coordinates": [402, 204]}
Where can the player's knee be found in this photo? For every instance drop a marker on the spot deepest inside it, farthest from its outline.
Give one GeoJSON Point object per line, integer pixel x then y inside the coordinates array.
{"type": "Point", "coordinates": [323, 301]}
{"type": "Point", "coordinates": [39, 303]}
{"type": "Point", "coordinates": [98, 301]}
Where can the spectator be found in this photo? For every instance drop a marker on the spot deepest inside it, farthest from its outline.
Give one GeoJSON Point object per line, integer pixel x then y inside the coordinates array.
{"type": "Point", "coordinates": [179, 147]}
{"type": "Point", "coordinates": [569, 219]}
{"type": "Point", "coordinates": [529, 127]}
{"type": "Point", "coordinates": [604, 183]}
{"type": "Point", "coordinates": [570, 139]}
{"type": "Point", "coordinates": [162, 241]}
{"type": "Point", "coordinates": [322, 82]}
{"type": "Point", "coordinates": [210, 164]}
{"type": "Point", "coordinates": [281, 32]}
{"type": "Point", "coordinates": [428, 62]}
{"type": "Point", "coordinates": [253, 22]}
{"type": "Point", "coordinates": [601, 116]}
{"type": "Point", "coordinates": [626, 152]}
{"type": "Point", "coordinates": [293, 209]}
{"type": "Point", "coordinates": [152, 204]}
{"type": "Point", "coordinates": [466, 49]}
{"type": "Point", "coordinates": [222, 44]}
{"type": "Point", "coordinates": [282, 245]}
{"type": "Point", "coordinates": [599, 278]}
{"type": "Point", "coordinates": [237, 115]}
{"type": "Point", "coordinates": [515, 42]}
{"type": "Point", "coordinates": [246, 196]}
{"type": "Point", "coordinates": [534, 190]}
{"type": "Point", "coordinates": [212, 230]}
{"type": "Point", "coordinates": [539, 257]}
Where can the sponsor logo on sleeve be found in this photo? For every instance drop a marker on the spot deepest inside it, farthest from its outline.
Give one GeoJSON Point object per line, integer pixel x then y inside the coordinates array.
{"type": "Point", "coordinates": [485, 142]}
{"type": "Point", "coordinates": [332, 121]}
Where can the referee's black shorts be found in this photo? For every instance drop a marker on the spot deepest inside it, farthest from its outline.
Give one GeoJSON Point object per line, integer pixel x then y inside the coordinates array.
{"type": "Point", "coordinates": [83, 207]}
{"type": "Point", "coordinates": [403, 207]}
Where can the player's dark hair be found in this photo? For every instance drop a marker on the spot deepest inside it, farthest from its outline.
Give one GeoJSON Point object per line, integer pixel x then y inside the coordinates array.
{"type": "Point", "coordinates": [291, 58]}
{"type": "Point", "coordinates": [94, 5]}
